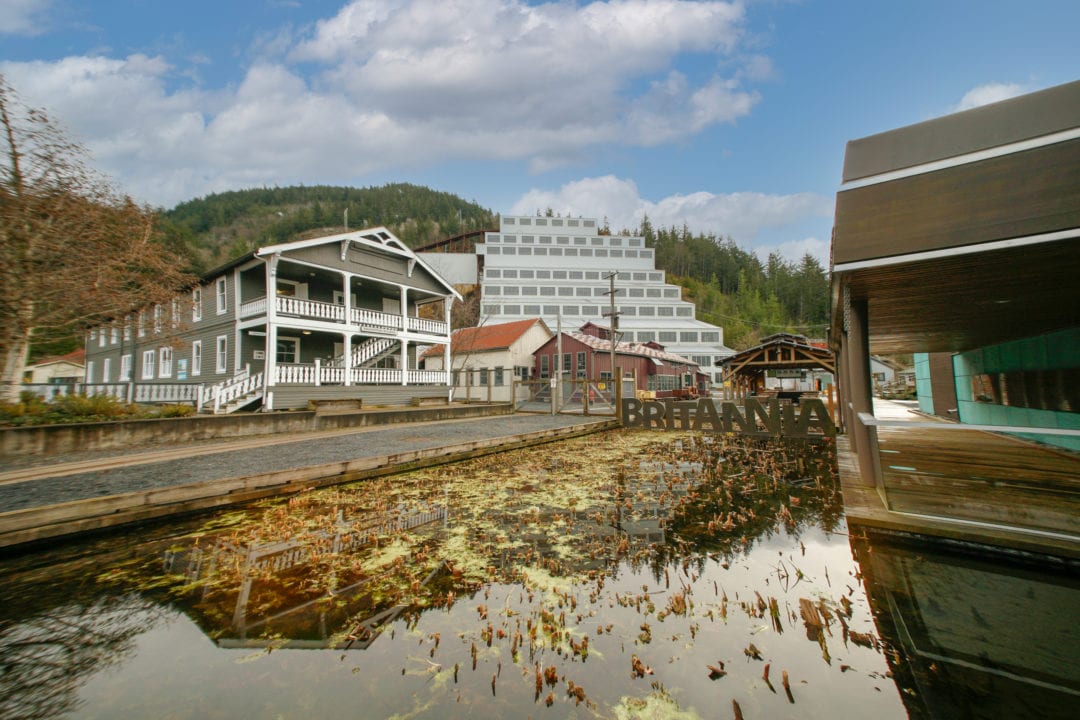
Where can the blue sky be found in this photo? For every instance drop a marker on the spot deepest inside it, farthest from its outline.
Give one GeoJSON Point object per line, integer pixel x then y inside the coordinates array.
{"type": "Point", "coordinates": [730, 117]}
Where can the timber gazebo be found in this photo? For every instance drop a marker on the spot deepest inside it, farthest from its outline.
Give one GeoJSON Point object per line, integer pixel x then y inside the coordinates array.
{"type": "Point", "coordinates": [744, 372]}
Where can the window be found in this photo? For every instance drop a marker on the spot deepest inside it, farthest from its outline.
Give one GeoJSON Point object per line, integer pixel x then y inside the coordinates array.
{"type": "Point", "coordinates": [142, 324]}
{"type": "Point", "coordinates": [666, 336]}
{"type": "Point", "coordinates": [165, 362]}
{"type": "Point", "coordinates": [196, 305]}
{"type": "Point", "coordinates": [101, 338]}
{"type": "Point", "coordinates": [288, 350]}
{"type": "Point", "coordinates": [710, 337]}
{"type": "Point", "coordinates": [148, 358]}
{"type": "Point", "coordinates": [89, 371]}
{"type": "Point", "coordinates": [498, 380]}
{"type": "Point", "coordinates": [567, 362]}
{"type": "Point", "coordinates": [688, 337]}
{"type": "Point", "coordinates": [127, 328]}
{"type": "Point", "coordinates": [157, 318]}
{"type": "Point", "coordinates": [483, 376]}
{"type": "Point", "coordinates": [544, 371]}
{"type": "Point", "coordinates": [114, 335]}
{"type": "Point", "coordinates": [174, 318]}
{"type": "Point", "coordinates": [106, 369]}
{"type": "Point", "coordinates": [222, 358]}
{"type": "Point", "coordinates": [581, 364]}
{"type": "Point", "coordinates": [222, 296]}
{"type": "Point", "coordinates": [196, 357]}
{"type": "Point", "coordinates": [125, 368]}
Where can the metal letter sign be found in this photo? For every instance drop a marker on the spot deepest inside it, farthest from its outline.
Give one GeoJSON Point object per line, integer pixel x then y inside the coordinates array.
{"type": "Point", "coordinates": [756, 418]}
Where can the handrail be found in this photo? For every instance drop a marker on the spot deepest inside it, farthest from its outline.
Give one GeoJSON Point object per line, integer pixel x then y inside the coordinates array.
{"type": "Point", "coordinates": [872, 421]}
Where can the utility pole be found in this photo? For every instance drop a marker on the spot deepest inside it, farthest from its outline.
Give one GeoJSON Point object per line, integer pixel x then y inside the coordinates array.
{"type": "Point", "coordinates": [613, 325]}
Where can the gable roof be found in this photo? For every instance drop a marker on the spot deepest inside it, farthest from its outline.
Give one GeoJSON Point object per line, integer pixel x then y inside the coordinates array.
{"type": "Point", "coordinates": [486, 337]}
{"type": "Point", "coordinates": [76, 357]}
{"type": "Point", "coordinates": [643, 349]}
{"type": "Point", "coordinates": [378, 238]}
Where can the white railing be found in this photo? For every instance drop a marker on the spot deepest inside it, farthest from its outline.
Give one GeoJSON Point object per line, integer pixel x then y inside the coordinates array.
{"type": "Point", "coordinates": [235, 389]}
{"type": "Point", "coordinates": [317, 374]}
{"type": "Point", "coordinates": [432, 327]}
{"type": "Point", "coordinates": [185, 392]}
{"type": "Point", "coordinates": [253, 307]}
{"type": "Point", "coordinates": [375, 318]}
{"type": "Point", "coordinates": [311, 308]}
{"type": "Point", "coordinates": [118, 391]}
{"type": "Point", "coordinates": [370, 349]}
{"type": "Point", "coordinates": [375, 376]}
{"type": "Point", "coordinates": [428, 377]}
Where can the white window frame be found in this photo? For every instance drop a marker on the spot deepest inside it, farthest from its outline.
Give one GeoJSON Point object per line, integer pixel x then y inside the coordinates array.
{"type": "Point", "coordinates": [175, 317]}
{"type": "Point", "coordinates": [221, 359]}
{"type": "Point", "coordinates": [196, 358]}
{"type": "Point", "coordinates": [114, 335]}
{"type": "Point", "coordinates": [127, 328]}
{"type": "Point", "coordinates": [222, 290]}
{"type": "Point", "coordinates": [89, 371]}
{"type": "Point", "coordinates": [125, 368]}
{"type": "Point", "coordinates": [196, 304]}
{"type": "Point", "coordinates": [149, 358]}
{"type": "Point", "coordinates": [141, 322]}
{"type": "Point", "coordinates": [165, 358]}
{"type": "Point", "coordinates": [296, 349]}
{"type": "Point", "coordinates": [101, 338]}
{"type": "Point", "coordinates": [157, 318]}
{"type": "Point", "coordinates": [106, 368]}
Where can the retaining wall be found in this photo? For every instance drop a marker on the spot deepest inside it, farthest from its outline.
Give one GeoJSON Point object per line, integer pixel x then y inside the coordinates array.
{"type": "Point", "coordinates": [80, 437]}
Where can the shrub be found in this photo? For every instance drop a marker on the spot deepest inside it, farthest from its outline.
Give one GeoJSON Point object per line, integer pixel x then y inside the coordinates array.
{"type": "Point", "coordinates": [93, 406]}
{"type": "Point", "coordinates": [177, 410]}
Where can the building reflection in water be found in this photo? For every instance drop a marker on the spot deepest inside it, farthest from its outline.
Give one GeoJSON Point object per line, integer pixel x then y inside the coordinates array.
{"type": "Point", "coordinates": [975, 635]}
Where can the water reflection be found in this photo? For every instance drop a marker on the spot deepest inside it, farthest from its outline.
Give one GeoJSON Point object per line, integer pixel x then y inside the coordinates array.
{"type": "Point", "coordinates": [616, 575]}
{"type": "Point", "coordinates": [975, 636]}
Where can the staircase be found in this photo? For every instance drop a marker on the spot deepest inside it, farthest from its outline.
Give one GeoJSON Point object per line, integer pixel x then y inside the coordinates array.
{"type": "Point", "coordinates": [366, 353]}
{"type": "Point", "coordinates": [233, 394]}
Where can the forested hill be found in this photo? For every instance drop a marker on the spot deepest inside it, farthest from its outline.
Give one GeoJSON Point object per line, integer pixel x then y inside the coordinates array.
{"type": "Point", "coordinates": [211, 230]}
{"type": "Point", "coordinates": [731, 287]}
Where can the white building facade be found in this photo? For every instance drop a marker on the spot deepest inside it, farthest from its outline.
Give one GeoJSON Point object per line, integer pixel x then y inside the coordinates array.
{"type": "Point", "coordinates": [552, 266]}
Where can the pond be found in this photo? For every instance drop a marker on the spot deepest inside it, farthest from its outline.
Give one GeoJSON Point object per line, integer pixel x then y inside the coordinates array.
{"type": "Point", "coordinates": [625, 574]}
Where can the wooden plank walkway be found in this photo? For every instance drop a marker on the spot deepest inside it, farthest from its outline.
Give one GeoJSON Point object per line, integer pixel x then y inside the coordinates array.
{"type": "Point", "coordinates": [994, 490]}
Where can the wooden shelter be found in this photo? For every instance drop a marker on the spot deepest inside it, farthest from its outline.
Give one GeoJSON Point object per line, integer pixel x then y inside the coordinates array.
{"type": "Point", "coordinates": [746, 370]}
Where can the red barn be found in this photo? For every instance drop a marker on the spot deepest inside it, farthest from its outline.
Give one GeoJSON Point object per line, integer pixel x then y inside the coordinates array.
{"type": "Point", "coordinates": [586, 353]}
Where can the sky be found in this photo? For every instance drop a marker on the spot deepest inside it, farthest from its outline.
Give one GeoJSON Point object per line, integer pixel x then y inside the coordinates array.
{"type": "Point", "coordinates": [728, 117]}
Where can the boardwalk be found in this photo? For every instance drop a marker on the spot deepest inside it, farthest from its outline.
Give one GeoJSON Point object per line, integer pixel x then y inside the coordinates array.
{"type": "Point", "coordinates": [967, 484]}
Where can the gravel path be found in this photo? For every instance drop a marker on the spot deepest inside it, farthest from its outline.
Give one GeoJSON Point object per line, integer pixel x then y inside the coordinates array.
{"type": "Point", "coordinates": [233, 461]}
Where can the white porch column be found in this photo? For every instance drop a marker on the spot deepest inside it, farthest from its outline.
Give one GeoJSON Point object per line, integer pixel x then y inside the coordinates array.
{"type": "Point", "coordinates": [404, 309]}
{"type": "Point", "coordinates": [404, 361]}
{"type": "Point", "coordinates": [270, 363]}
{"type": "Point", "coordinates": [347, 300]}
{"type": "Point", "coordinates": [446, 348]}
{"type": "Point", "coordinates": [347, 345]}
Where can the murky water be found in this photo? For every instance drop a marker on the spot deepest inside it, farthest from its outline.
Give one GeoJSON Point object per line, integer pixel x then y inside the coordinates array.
{"type": "Point", "coordinates": [627, 574]}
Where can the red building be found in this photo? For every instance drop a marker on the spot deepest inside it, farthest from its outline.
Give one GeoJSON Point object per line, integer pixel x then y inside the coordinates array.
{"type": "Point", "coordinates": [586, 354]}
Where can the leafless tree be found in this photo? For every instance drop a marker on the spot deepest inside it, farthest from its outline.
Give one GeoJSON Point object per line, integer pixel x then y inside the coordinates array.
{"type": "Point", "coordinates": [73, 251]}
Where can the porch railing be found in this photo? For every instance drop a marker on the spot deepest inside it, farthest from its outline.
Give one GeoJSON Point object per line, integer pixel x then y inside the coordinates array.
{"type": "Point", "coordinates": [333, 312]}
{"type": "Point", "coordinates": [361, 316]}
{"type": "Point", "coordinates": [318, 374]}
{"type": "Point", "coordinates": [311, 309]}
{"type": "Point", "coordinates": [253, 307]}
{"type": "Point", "coordinates": [432, 327]}
{"type": "Point", "coordinates": [186, 392]}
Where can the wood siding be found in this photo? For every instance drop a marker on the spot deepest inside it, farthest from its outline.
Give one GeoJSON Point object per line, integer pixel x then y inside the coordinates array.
{"type": "Point", "coordinates": [1026, 193]}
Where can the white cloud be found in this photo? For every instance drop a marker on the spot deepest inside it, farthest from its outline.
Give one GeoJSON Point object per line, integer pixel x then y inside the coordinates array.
{"type": "Point", "coordinates": [24, 17]}
{"type": "Point", "coordinates": [990, 93]}
{"type": "Point", "coordinates": [396, 84]}
{"type": "Point", "coordinates": [743, 216]}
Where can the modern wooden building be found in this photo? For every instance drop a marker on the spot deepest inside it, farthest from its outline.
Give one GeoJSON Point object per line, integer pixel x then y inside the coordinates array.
{"type": "Point", "coordinates": [327, 318]}
{"type": "Point", "coordinates": [959, 237]}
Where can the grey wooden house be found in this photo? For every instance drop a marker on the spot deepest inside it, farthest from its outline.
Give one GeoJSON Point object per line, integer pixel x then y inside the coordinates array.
{"type": "Point", "coordinates": [331, 317]}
